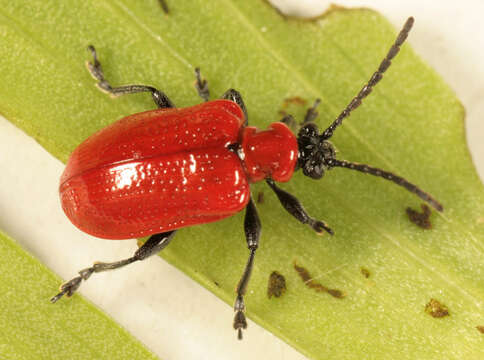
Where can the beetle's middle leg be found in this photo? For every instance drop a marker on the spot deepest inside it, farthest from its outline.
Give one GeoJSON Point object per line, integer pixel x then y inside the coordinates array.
{"type": "Point", "coordinates": [152, 246]}
{"type": "Point", "coordinates": [201, 85]}
{"type": "Point", "coordinates": [252, 228]}
{"type": "Point", "coordinates": [295, 208]}
{"type": "Point", "coordinates": [159, 97]}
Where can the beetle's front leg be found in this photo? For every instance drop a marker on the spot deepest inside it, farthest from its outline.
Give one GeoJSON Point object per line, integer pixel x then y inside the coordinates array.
{"type": "Point", "coordinates": [252, 228]}
{"type": "Point", "coordinates": [95, 69]}
{"type": "Point", "coordinates": [312, 113]}
{"type": "Point", "coordinates": [295, 208]}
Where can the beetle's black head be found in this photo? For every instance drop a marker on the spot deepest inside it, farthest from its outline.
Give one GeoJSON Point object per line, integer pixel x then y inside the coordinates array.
{"type": "Point", "coordinates": [315, 153]}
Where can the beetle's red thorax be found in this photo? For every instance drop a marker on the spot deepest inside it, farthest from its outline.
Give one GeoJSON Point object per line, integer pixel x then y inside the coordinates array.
{"type": "Point", "coordinates": [268, 153]}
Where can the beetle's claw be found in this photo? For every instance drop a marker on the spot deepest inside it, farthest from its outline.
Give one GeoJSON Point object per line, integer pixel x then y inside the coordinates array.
{"type": "Point", "coordinates": [240, 323]}
{"type": "Point", "coordinates": [54, 299]}
{"type": "Point", "coordinates": [68, 288]}
{"type": "Point", "coordinates": [319, 226]}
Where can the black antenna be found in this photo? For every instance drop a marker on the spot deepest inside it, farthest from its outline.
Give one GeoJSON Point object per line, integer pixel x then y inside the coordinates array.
{"type": "Point", "coordinates": [376, 77]}
{"type": "Point", "coordinates": [389, 176]}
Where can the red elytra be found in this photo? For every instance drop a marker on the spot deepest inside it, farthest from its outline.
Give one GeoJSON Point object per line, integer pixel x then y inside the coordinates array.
{"type": "Point", "coordinates": [165, 169]}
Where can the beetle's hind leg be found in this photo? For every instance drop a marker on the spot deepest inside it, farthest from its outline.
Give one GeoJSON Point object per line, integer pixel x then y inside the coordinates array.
{"type": "Point", "coordinates": [153, 245]}
{"type": "Point", "coordinates": [159, 97]}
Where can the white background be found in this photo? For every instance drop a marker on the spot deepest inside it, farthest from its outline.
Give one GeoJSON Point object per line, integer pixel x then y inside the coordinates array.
{"type": "Point", "coordinates": [153, 300]}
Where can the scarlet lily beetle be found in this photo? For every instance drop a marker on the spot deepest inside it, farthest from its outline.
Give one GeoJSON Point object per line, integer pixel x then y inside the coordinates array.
{"type": "Point", "coordinates": [152, 173]}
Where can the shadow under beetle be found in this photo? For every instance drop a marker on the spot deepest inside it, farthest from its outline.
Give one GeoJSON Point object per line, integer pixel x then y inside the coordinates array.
{"type": "Point", "coordinates": [155, 172]}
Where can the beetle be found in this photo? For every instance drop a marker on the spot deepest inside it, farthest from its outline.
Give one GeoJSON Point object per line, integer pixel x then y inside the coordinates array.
{"type": "Point", "coordinates": [152, 173]}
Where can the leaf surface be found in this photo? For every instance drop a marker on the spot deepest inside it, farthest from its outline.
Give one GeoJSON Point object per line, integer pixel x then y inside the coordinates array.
{"type": "Point", "coordinates": [32, 328]}
{"type": "Point", "coordinates": [412, 124]}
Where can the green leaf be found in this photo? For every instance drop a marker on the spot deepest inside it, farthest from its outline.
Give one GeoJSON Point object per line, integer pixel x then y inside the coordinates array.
{"type": "Point", "coordinates": [412, 124]}
{"type": "Point", "coordinates": [33, 329]}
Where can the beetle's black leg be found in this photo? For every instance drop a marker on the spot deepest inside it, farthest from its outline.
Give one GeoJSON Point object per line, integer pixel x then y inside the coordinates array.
{"type": "Point", "coordinates": [289, 121]}
{"type": "Point", "coordinates": [312, 113]}
{"type": "Point", "coordinates": [252, 228]}
{"type": "Point", "coordinates": [159, 97]}
{"type": "Point", "coordinates": [164, 6]}
{"type": "Point", "coordinates": [295, 208]}
{"type": "Point", "coordinates": [201, 85]}
{"type": "Point", "coordinates": [234, 95]}
{"type": "Point", "coordinates": [153, 245]}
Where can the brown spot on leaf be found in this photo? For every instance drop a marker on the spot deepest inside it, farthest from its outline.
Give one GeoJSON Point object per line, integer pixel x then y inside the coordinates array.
{"type": "Point", "coordinates": [283, 111]}
{"type": "Point", "coordinates": [260, 197]}
{"type": "Point", "coordinates": [420, 219]}
{"type": "Point", "coordinates": [365, 272]}
{"type": "Point", "coordinates": [480, 328]}
{"type": "Point", "coordinates": [436, 309]}
{"type": "Point", "coordinates": [277, 285]}
{"type": "Point", "coordinates": [336, 293]}
{"type": "Point", "coordinates": [293, 100]}
{"type": "Point", "coordinates": [307, 279]}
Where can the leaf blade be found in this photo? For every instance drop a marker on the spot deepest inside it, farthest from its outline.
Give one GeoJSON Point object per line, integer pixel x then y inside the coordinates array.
{"type": "Point", "coordinates": [32, 328]}
{"type": "Point", "coordinates": [372, 230]}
